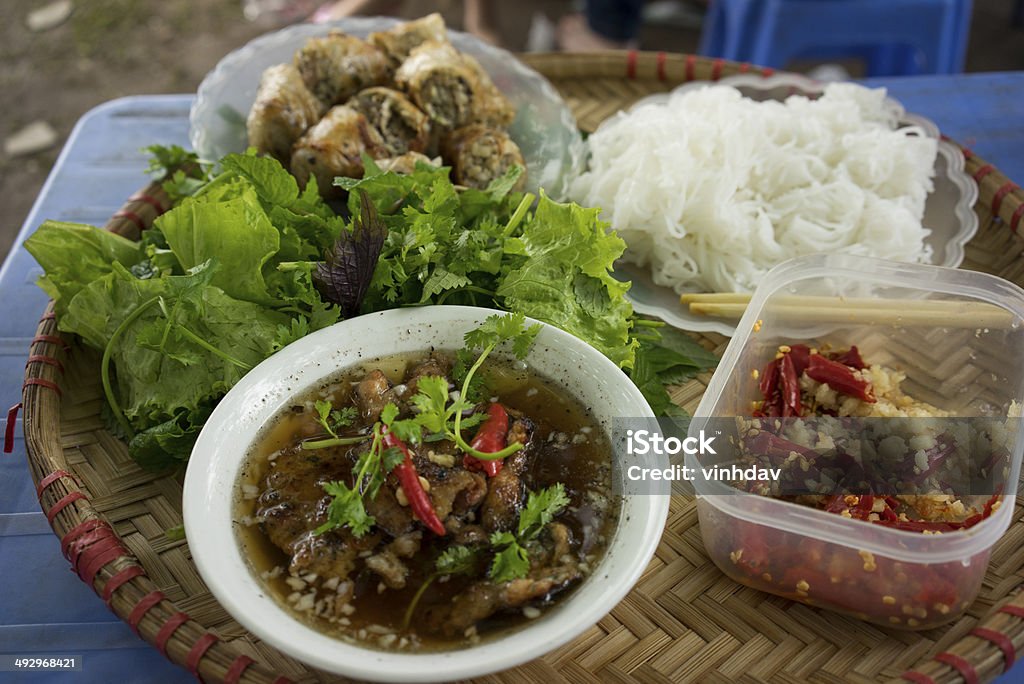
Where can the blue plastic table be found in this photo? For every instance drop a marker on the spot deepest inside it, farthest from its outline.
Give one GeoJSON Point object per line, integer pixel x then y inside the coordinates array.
{"type": "Point", "coordinates": [45, 608]}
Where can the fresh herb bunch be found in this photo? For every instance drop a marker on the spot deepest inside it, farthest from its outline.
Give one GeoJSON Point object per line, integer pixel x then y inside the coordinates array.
{"type": "Point", "coordinates": [246, 263]}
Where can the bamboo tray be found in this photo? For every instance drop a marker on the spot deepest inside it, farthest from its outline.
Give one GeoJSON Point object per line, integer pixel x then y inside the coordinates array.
{"type": "Point", "coordinates": [684, 620]}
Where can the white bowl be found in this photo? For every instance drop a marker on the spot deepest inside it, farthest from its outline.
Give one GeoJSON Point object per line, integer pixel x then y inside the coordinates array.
{"type": "Point", "coordinates": [213, 472]}
{"type": "Point", "coordinates": [544, 128]}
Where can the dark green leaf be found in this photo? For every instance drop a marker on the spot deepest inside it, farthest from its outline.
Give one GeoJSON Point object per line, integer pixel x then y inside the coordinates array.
{"type": "Point", "coordinates": [510, 562]}
{"type": "Point", "coordinates": [541, 508]}
{"type": "Point", "coordinates": [456, 560]}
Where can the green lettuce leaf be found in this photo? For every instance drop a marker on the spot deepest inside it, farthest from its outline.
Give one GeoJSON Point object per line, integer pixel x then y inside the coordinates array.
{"type": "Point", "coordinates": [235, 231]}
{"type": "Point", "coordinates": [72, 255]}
{"type": "Point", "coordinates": [563, 277]}
{"type": "Point", "coordinates": [188, 344]}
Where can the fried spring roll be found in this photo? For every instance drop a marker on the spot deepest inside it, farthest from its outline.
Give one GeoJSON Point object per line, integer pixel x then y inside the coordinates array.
{"type": "Point", "coordinates": [338, 66]}
{"type": "Point", "coordinates": [398, 42]}
{"type": "Point", "coordinates": [402, 125]}
{"type": "Point", "coordinates": [478, 154]}
{"type": "Point", "coordinates": [440, 83]}
{"type": "Point", "coordinates": [490, 107]}
{"type": "Point", "coordinates": [452, 88]}
{"type": "Point", "coordinates": [284, 109]}
{"type": "Point", "coordinates": [334, 147]}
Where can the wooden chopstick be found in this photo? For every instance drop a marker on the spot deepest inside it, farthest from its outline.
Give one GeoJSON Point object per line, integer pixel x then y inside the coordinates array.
{"type": "Point", "coordinates": [811, 309]}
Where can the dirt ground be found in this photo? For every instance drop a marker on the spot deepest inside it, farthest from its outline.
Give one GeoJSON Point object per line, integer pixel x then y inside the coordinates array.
{"type": "Point", "coordinates": [111, 48]}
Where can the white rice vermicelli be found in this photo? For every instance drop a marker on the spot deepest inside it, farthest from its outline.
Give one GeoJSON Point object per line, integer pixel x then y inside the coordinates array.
{"type": "Point", "coordinates": [713, 189]}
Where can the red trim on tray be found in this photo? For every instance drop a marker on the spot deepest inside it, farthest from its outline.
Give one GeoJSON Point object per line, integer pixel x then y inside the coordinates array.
{"type": "Point", "coordinates": [150, 200]}
{"type": "Point", "coordinates": [1004, 643]}
{"type": "Point", "coordinates": [81, 530]}
{"type": "Point", "coordinates": [64, 503]}
{"type": "Point", "coordinates": [997, 199]}
{"type": "Point", "coordinates": [48, 360]}
{"type": "Point", "coordinates": [631, 65]}
{"type": "Point", "coordinates": [745, 67]}
{"type": "Point", "coordinates": [12, 420]}
{"type": "Point", "coordinates": [691, 62]}
{"type": "Point", "coordinates": [982, 172]}
{"type": "Point", "coordinates": [118, 580]}
{"type": "Point", "coordinates": [51, 478]}
{"type": "Point", "coordinates": [133, 217]}
{"type": "Point", "coordinates": [142, 607]}
{"type": "Point", "coordinates": [42, 382]}
{"type": "Point", "coordinates": [82, 553]}
{"type": "Point", "coordinates": [99, 555]}
{"type": "Point", "coordinates": [282, 680]}
{"type": "Point", "coordinates": [50, 339]}
{"type": "Point", "coordinates": [959, 664]}
{"type": "Point", "coordinates": [1015, 219]}
{"type": "Point", "coordinates": [168, 629]}
{"type": "Point", "coordinates": [917, 677]}
{"type": "Point", "coordinates": [661, 66]}
{"type": "Point", "coordinates": [197, 652]}
{"type": "Point", "coordinates": [968, 152]}
{"type": "Point", "coordinates": [238, 666]}
{"type": "Point", "coordinates": [1010, 609]}
{"type": "Point", "coordinates": [716, 69]}
{"type": "Point", "coordinates": [767, 71]}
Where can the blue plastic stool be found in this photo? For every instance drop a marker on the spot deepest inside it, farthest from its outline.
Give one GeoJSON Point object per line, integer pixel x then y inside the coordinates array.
{"type": "Point", "coordinates": [894, 37]}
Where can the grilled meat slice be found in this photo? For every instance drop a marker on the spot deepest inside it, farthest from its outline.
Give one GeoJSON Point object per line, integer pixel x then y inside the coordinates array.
{"type": "Point", "coordinates": [483, 599]}
{"type": "Point", "coordinates": [372, 394]}
{"type": "Point", "coordinates": [505, 491]}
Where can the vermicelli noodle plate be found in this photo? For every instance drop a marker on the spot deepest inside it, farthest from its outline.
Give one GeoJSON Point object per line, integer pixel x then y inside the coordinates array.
{"type": "Point", "coordinates": [711, 189]}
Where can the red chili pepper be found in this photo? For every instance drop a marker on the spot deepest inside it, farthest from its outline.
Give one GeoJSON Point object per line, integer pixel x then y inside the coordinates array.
{"type": "Point", "coordinates": [801, 356]}
{"type": "Point", "coordinates": [839, 377]}
{"type": "Point", "coordinates": [490, 438]}
{"type": "Point", "coordinates": [419, 501]}
{"type": "Point", "coordinates": [776, 448]}
{"type": "Point", "coordinates": [769, 382]}
{"type": "Point", "coordinates": [851, 357]}
{"type": "Point", "coordinates": [790, 382]}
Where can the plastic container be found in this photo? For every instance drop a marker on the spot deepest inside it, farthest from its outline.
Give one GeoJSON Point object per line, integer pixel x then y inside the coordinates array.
{"type": "Point", "coordinates": [892, 577]}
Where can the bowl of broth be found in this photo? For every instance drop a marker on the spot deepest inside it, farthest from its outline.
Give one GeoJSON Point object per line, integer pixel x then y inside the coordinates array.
{"type": "Point", "coordinates": [336, 520]}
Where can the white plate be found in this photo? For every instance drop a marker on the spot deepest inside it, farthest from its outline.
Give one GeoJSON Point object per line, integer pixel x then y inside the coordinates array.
{"type": "Point", "coordinates": [211, 483]}
{"type": "Point", "coordinates": [544, 128]}
{"type": "Point", "coordinates": [948, 210]}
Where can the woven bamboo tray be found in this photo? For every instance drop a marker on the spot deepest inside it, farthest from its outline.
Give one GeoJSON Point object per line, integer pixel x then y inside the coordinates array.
{"type": "Point", "coordinates": [684, 620]}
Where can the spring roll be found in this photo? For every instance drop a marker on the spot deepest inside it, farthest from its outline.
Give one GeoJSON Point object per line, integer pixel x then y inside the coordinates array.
{"type": "Point", "coordinates": [440, 83]}
{"type": "Point", "coordinates": [478, 154]}
{"type": "Point", "coordinates": [398, 42]}
{"type": "Point", "coordinates": [338, 66]}
{"type": "Point", "coordinates": [402, 125]}
{"type": "Point", "coordinates": [284, 109]}
{"type": "Point", "coordinates": [406, 163]}
{"type": "Point", "coordinates": [490, 107]}
{"type": "Point", "coordinates": [334, 147]}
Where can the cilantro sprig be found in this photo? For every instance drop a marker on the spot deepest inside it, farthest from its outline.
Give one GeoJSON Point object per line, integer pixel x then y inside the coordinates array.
{"type": "Point", "coordinates": [511, 560]}
{"type": "Point", "coordinates": [347, 508]}
{"type": "Point", "coordinates": [456, 560]}
{"type": "Point", "coordinates": [494, 331]}
{"type": "Point", "coordinates": [332, 419]}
